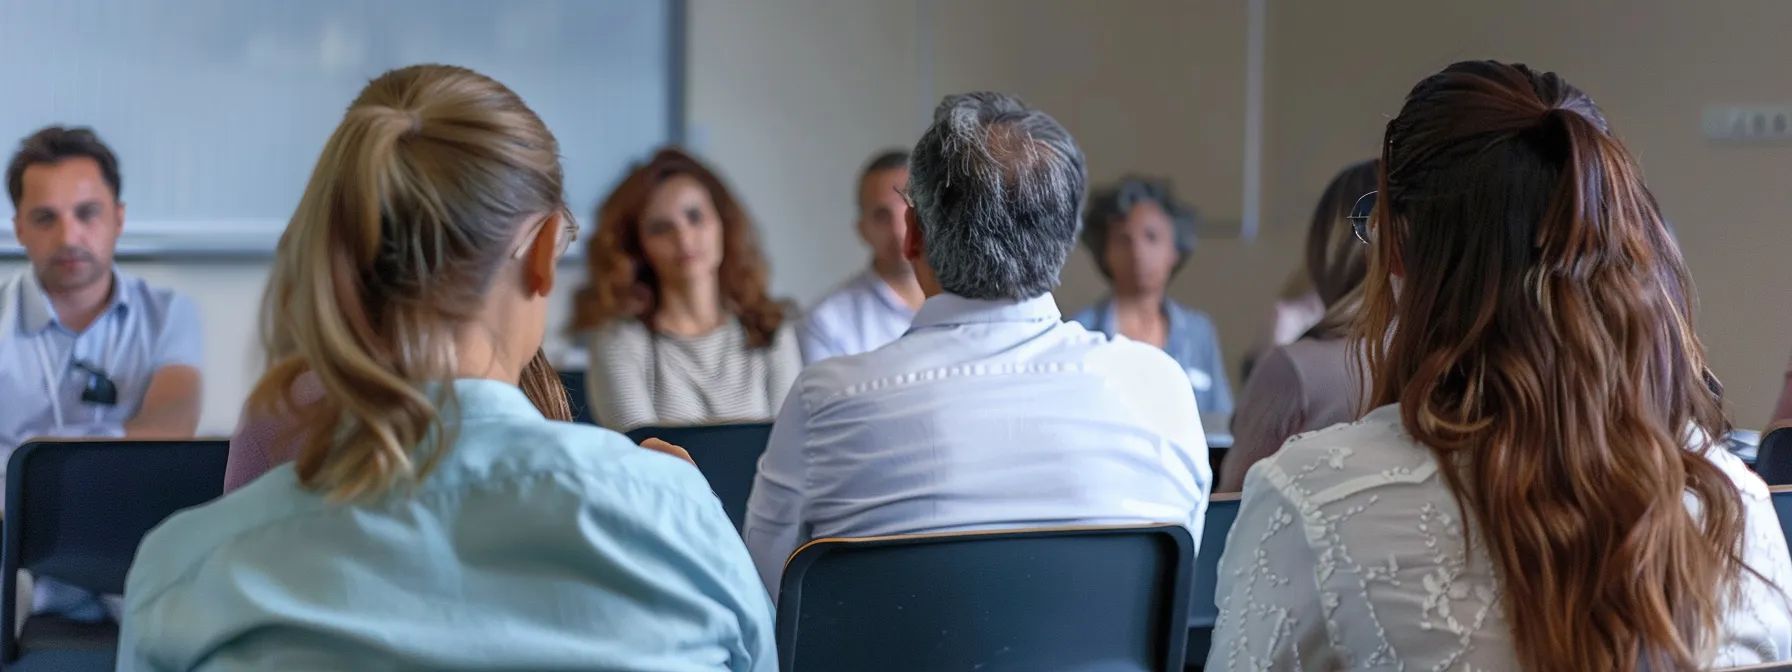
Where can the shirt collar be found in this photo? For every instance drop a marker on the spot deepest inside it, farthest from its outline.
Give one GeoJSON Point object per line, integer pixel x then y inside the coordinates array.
{"type": "Point", "coordinates": [945, 310]}
{"type": "Point", "coordinates": [485, 398]}
{"type": "Point", "coordinates": [37, 314]}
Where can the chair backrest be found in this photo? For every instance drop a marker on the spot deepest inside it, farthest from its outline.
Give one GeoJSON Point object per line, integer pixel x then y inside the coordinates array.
{"type": "Point", "coordinates": [1106, 598]}
{"type": "Point", "coordinates": [1773, 459]}
{"type": "Point", "coordinates": [728, 456]}
{"type": "Point", "coordinates": [574, 382]}
{"type": "Point", "coordinates": [1203, 610]}
{"type": "Point", "coordinates": [76, 510]}
{"type": "Point", "coordinates": [1782, 505]}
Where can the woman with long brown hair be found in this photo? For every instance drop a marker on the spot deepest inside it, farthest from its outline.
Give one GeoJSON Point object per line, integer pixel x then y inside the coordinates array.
{"type": "Point", "coordinates": [681, 327]}
{"type": "Point", "coordinates": [1544, 485]}
{"type": "Point", "coordinates": [441, 512]}
{"type": "Point", "coordinates": [1309, 384]}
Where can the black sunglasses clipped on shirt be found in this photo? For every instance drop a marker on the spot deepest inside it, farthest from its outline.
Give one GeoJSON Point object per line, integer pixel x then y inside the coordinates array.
{"type": "Point", "coordinates": [100, 388]}
{"type": "Point", "coordinates": [1359, 215]}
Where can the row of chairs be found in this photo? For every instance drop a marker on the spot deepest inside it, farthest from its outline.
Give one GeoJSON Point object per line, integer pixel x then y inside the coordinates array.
{"type": "Point", "coordinates": [57, 528]}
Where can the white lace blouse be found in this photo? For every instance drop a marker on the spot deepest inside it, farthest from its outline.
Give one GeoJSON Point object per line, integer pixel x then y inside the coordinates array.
{"type": "Point", "coordinates": [1348, 554]}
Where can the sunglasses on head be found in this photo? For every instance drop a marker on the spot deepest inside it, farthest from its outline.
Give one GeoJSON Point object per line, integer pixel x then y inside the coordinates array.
{"type": "Point", "coordinates": [1359, 216]}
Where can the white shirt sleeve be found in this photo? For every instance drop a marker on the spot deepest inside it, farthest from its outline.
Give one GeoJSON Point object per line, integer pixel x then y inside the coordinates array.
{"type": "Point", "coordinates": [1271, 613]}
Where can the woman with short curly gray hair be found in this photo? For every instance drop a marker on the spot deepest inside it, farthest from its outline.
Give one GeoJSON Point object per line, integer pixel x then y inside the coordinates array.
{"type": "Point", "coordinates": [1140, 235]}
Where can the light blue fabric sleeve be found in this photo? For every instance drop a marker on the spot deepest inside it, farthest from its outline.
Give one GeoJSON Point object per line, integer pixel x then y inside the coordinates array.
{"type": "Point", "coordinates": [182, 341]}
{"type": "Point", "coordinates": [775, 509]}
{"type": "Point", "coordinates": [713, 560]}
{"type": "Point", "coordinates": [816, 343]}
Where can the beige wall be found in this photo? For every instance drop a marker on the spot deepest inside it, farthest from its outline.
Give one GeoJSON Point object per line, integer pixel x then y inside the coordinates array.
{"type": "Point", "coordinates": [1339, 70]}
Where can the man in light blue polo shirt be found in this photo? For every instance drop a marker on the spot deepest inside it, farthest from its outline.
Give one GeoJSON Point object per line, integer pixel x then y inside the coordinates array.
{"type": "Point", "coordinates": [86, 350]}
{"type": "Point", "coordinates": [877, 305]}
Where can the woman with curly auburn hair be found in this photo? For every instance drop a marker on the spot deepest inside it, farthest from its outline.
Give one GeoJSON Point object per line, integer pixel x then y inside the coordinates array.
{"type": "Point", "coordinates": [680, 326]}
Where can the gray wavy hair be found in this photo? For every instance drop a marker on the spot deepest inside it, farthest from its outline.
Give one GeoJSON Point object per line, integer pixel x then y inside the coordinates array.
{"type": "Point", "coordinates": [997, 187]}
{"type": "Point", "coordinates": [1112, 204]}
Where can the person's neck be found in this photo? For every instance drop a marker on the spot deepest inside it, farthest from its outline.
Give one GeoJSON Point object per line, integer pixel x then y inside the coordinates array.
{"type": "Point", "coordinates": [691, 310]}
{"type": "Point", "coordinates": [77, 309]}
{"type": "Point", "coordinates": [1140, 316]}
{"type": "Point", "coordinates": [900, 277]}
{"type": "Point", "coordinates": [475, 356]}
{"type": "Point", "coordinates": [1139, 303]}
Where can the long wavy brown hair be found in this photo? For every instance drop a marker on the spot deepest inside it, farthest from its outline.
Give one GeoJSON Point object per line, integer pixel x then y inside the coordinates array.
{"type": "Point", "coordinates": [622, 283]}
{"type": "Point", "coordinates": [1541, 345]}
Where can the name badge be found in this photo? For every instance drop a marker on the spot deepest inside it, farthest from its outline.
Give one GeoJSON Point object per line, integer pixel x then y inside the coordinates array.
{"type": "Point", "coordinates": [1199, 379]}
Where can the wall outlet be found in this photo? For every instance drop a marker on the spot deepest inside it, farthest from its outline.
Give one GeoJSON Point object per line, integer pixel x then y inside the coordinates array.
{"type": "Point", "coordinates": [1748, 124]}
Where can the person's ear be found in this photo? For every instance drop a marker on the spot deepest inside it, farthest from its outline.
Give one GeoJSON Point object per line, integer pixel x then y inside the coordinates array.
{"type": "Point", "coordinates": [541, 256]}
{"type": "Point", "coordinates": [911, 241]}
{"type": "Point", "coordinates": [120, 207]}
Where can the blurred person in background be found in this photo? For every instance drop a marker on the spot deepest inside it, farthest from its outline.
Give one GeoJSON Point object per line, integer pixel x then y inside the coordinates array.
{"type": "Point", "coordinates": [1140, 235]}
{"type": "Point", "coordinates": [1315, 381]}
{"type": "Point", "coordinates": [86, 349]}
{"type": "Point", "coordinates": [1297, 309]}
{"type": "Point", "coordinates": [676, 311]}
{"type": "Point", "coordinates": [877, 305]}
{"type": "Point", "coordinates": [991, 411]}
{"type": "Point", "coordinates": [1301, 304]}
{"type": "Point", "coordinates": [442, 512]}
{"type": "Point", "coordinates": [1543, 484]}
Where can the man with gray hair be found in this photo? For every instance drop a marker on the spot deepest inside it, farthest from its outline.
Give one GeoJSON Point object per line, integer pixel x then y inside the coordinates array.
{"type": "Point", "coordinates": [990, 412]}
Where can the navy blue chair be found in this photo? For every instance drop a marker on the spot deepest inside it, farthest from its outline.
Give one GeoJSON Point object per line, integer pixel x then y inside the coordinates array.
{"type": "Point", "coordinates": [1222, 511]}
{"type": "Point", "coordinates": [1088, 598]}
{"type": "Point", "coordinates": [1773, 459]}
{"type": "Point", "coordinates": [1782, 505]}
{"type": "Point", "coordinates": [728, 456]}
{"type": "Point", "coordinates": [574, 382]}
{"type": "Point", "coordinates": [75, 512]}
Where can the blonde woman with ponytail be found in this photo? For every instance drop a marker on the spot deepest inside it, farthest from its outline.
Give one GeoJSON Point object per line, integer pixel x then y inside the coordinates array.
{"type": "Point", "coordinates": [1543, 486]}
{"type": "Point", "coordinates": [439, 512]}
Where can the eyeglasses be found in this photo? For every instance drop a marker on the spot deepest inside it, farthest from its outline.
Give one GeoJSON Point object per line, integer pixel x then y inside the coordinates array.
{"type": "Point", "coordinates": [904, 194]}
{"type": "Point", "coordinates": [1359, 215]}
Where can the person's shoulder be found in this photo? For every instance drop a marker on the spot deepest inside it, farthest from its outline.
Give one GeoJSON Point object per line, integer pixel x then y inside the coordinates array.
{"type": "Point", "coordinates": [174, 549]}
{"type": "Point", "coordinates": [839, 297]}
{"type": "Point", "coordinates": [1123, 356]}
{"type": "Point", "coordinates": [621, 332]}
{"type": "Point", "coordinates": [160, 301]}
{"type": "Point", "coordinates": [1372, 452]}
{"type": "Point", "coordinates": [1299, 358]}
{"type": "Point", "coordinates": [587, 454]}
{"type": "Point", "coordinates": [1193, 318]}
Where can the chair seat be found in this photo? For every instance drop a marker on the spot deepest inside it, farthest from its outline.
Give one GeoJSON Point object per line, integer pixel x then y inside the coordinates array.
{"type": "Point", "coordinates": [53, 633]}
{"type": "Point", "coordinates": [66, 661]}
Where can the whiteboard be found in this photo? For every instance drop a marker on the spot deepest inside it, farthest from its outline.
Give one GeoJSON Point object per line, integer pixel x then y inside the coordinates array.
{"type": "Point", "coordinates": [218, 109]}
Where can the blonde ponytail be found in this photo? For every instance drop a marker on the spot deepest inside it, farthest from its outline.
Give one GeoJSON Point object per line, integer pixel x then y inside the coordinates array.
{"type": "Point", "coordinates": [409, 214]}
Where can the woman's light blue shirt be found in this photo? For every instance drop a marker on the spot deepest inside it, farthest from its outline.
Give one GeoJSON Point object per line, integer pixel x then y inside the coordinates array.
{"type": "Point", "coordinates": [534, 545]}
{"type": "Point", "coordinates": [1192, 342]}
